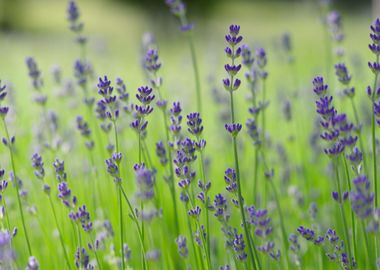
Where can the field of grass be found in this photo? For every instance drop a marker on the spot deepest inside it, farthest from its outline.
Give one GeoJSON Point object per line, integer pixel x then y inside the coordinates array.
{"type": "Point", "coordinates": [303, 175]}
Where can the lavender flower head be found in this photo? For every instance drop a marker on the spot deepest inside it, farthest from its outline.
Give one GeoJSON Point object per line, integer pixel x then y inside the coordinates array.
{"type": "Point", "coordinates": [334, 23]}
{"type": "Point", "coordinates": [109, 99]}
{"type": "Point", "coordinates": [75, 24]}
{"type": "Point", "coordinates": [233, 52]}
{"type": "Point", "coordinates": [175, 118]}
{"type": "Point", "coordinates": [178, 9]}
{"type": "Point", "coordinates": [145, 180]}
{"type": "Point", "coordinates": [375, 37]}
{"type": "Point", "coordinates": [233, 128]}
{"type": "Point", "coordinates": [32, 264]}
{"type": "Point", "coordinates": [336, 130]}
{"type": "Point", "coordinates": [3, 109]}
{"type": "Point", "coordinates": [38, 166]}
{"type": "Point", "coordinates": [7, 255]}
{"type": "Point", "coordinates": [82, 216]}
{"type": "Point", "coordinates": [34, 73]}
{"type": "Point", "coordinates": [182, 246]}
{"type": "Point", "coordinates": [362, 197]}
{"type": "Point", "coordinates": [236, 243]}
{"type": "Point", "coordinates": [145, 96]}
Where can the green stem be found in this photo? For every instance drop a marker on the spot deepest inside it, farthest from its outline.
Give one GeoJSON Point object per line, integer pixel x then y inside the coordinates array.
{"type": "Point", "coordinates": [6, 214]}
{"type": "Point", "coordinates": [17, 188]}
{"type": "Point", "coordinates": [374, 135]}
{"type": "Point", "coordinates": [206, 205]}
{"type": "Point", "coordinates": [192, 241]}
{"type": "Point", "coordinates": [284, 235]}
{"type": "Point", "coordinates": [196, 73]}
{"type": "Point", "coordinates": [95, 252]}
{"type": "Point", "coordinates": [120, 204]}
{"type": "Point", "coordinates": [357, 120]}
{"type": "Point", "coordinates": [367, 249]}
{"type": "Point", "coordinates": [60, 233]}
{"type": "Point", "coordinates": [351, 212]}
{"type": "Point", "coordinates": [343, 215]}
{"type": "Point", "coordinates": [171, 183]}
{"type": "Point", "coordinates": [135, 220]}
{"type": "Point", "coordinates": [204, 243]}
{"type": "Point", "coordinates": [240, 197]}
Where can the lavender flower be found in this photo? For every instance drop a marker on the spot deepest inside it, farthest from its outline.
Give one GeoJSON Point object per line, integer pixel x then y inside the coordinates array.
{"type": "Point", "coordinates": [32, 264]}
{"type": "Point", "coordinates": [334, 23]}
{"type": "Point", "coordinates": [230, 179]}
{"type": "Point", "coordinates": [178, 9]}
{"type": "Point", "coordinates": [82, 216]}
{"type": "Point", "coordinates": [113, 166]}
{"type": "Point", "coordinates": [60, 170]}
{"type": "Point", "coordinates": [123, 97]}
{"type": "Point", "coordinates": [362, 197]}
{"type": "Point", "coordinates": [233, 129]}
{"type": "Point", "coordinates": [3, 109]}
{"type": "Point", "coordinates": [74, 23]}
{"type": "Point", "coordinates": [236, 242]}
{"type": "Point", "coordinates": [375, 36]}
{"type": "Point", "coordinates": [82, 259]}
{"type": "Point", "coordinates": [233, 39]}
{"type": "Point", "coordinates": [145, 180]}
{"type": "Point", "coordinates": [38, 165]}
{"type": "Point", "coordinates": [337, 131]}
{"type": "Point", "coordinates": [221, 209]}
{"type": "Point", "coordinates": [175, 118]}
{"type": "Point", "coordinates": [161, 153]}
{"type": "Point", "coordinates": [182, 246]}
{"type": "Point", "coordinates": [34, 73]}
{"type": "Point", "coordinates": [85, 131]}
{"type": "Point", "coordinates": [194, 123]}
{"type": "Point", "coordinates": [295, 248]}
{"type": "Point", "coordinates": [109, 99]}
{"type": "Point", "coordinates": [145, 97]}
{"type": "Point", "coordinates": [7, 255]}
{"type": "Point", "coordinates": [260, 220]}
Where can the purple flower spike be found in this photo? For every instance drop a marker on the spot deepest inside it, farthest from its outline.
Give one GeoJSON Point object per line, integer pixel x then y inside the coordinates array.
{"type": "Point", "coordinates": [182, 246]}
{"type": "Point", "coordinates": [362, 197]}
{"type": "Point", "coordinates": [233, 129]}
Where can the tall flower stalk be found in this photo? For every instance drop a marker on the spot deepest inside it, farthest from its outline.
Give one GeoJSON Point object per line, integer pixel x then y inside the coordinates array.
{"type": "Point", "coordinates": [375, 68]}
{"type": "Point", "coordinates": [153, 65]}
{"type": "Point", "coordinates": [178, 9]}
{"type": "Point", "coordinates": [109, 101]}
{"type": "Point", "coordinates": [231, 84]}
{"type": "Point", "coordinates": [337, 133]}
{"type": "Point", "coordinates": [39, 172]}
{"type": "Point", "coordinates": [9, 142]}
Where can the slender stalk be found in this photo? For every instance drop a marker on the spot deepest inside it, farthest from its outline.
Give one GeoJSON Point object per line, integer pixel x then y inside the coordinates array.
{"type": "Point", "coordinates": [367, 249]}
{"type": "Point", "coordinates": [284, 235]}
{"type": "Point", "coordinates": [206, 204]}
{"type": "Point", "coordinates": [60, 233]}
{"type": "Point", "coordinates": [374, 136]}
{"type": "Point", "coordinates": [6, 214]}
{"type": "Point", "coordinates": [343, 215]}
{"type": "Point", "coordinates": [351, 212]}
{"type": "Point", "coordinates": [17, 188]}
{"type": "Point", "coordinates": [171, 184]}
{"type": "Point", "coordinates": [356, 115]}
{"type": "Point", "coordinates": [120, 204]}
{"type": "Point", "coordinates": [135, 220]}
{"type": "Point", "coordinates": [204, 243]}
{"type": "Point", "coordinates": [192, 241]}
{"type": "Point", "coordinates": [240, 197]}
{"type": "Point", "coordinates": [96, 253]}
{"type": "Point", "coordinates": [196, 73]}
{"type": "Point", "coordinates": [283, 230]}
